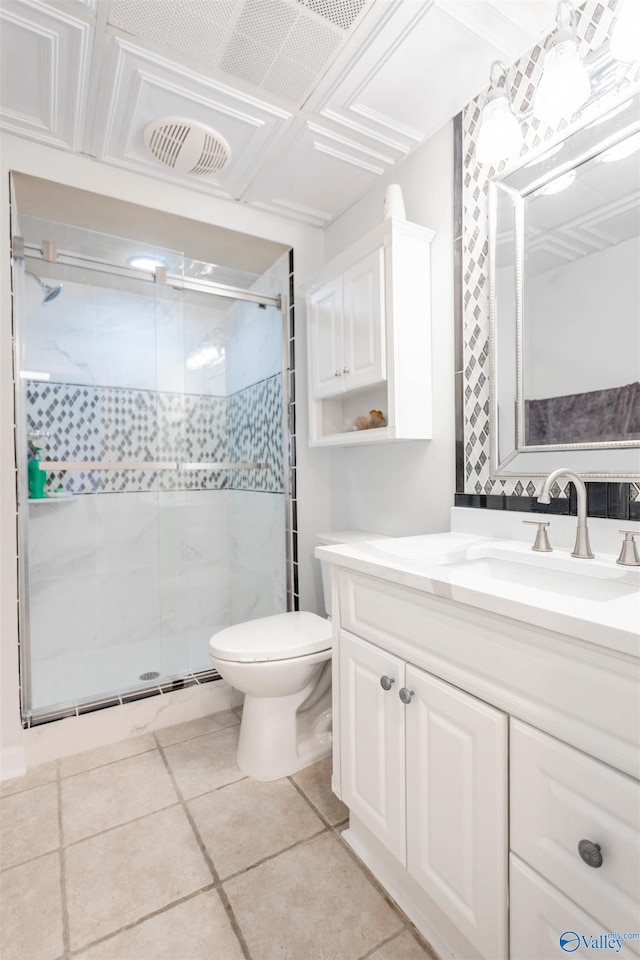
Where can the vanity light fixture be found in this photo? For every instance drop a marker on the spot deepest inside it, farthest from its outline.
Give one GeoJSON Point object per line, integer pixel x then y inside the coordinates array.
{"type": "Point", "coordinates": [563, 88]}
{"type": "Point", "coordinates": [625, 39]}
{"type": "Point", "coordinates": [564, 85]}
{"type": "Point", "coordinates": [500, 136]}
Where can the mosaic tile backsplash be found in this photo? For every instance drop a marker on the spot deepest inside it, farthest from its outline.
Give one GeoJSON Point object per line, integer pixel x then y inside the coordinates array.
{"type": "Point", "coordinates": [113, 423]}
{"type": "Point", "coordinates": [595, 22]}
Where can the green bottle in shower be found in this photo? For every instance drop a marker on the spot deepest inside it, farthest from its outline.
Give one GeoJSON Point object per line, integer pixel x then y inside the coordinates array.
{"type": "Point", "coordinates": [37, 477]}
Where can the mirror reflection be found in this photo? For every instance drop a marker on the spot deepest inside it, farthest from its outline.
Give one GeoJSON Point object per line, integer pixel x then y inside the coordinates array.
{"type": "Point", "coordinates": [581, 302]}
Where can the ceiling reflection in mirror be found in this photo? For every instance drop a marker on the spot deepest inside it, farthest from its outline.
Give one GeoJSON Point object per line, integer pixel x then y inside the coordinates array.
{"type": "Point", "coordinates": [565, 304]}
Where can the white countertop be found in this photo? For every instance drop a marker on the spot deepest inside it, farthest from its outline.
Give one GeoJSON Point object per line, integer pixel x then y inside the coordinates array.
{"type": "Point", "coordinates": [597, 600]}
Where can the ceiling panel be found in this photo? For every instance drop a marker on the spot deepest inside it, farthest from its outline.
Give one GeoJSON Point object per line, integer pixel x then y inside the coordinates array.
{"type": "Point", "coordinates": [317, 175]}
{"type": "Point", "coordinates": [44, 72]}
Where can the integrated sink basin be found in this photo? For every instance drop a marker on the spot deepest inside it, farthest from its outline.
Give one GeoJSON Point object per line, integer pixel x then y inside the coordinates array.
{"type": "Point", "coordinates": [580, 584]}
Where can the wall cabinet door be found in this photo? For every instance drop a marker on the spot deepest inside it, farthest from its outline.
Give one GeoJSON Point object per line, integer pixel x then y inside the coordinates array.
{"type": "Point", "coordinates": [457, 844]}
{"type": "Point", "coordinates": [372, 740]}
{"type": "Point", "coordinates": [364, 323]}
{"type": "Point", "coordinates": [326, 333]}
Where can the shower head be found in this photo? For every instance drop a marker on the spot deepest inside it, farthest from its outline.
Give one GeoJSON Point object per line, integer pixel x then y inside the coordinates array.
{"type": "Point", "coordinates": [48, 292]}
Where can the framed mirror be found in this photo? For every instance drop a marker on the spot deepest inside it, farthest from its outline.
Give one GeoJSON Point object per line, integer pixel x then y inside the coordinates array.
{"type": "Point", "coordinates": [564, 249]}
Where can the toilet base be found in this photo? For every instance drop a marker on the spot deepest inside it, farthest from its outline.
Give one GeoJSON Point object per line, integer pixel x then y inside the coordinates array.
{"type": "Point", "coordinates": [276, 741]}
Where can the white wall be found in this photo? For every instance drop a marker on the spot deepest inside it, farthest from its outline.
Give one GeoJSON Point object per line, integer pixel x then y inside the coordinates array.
{"type": "Point", "coordinates": [407, 488]}
{"type": "Point", "coordinates": [84, 173]}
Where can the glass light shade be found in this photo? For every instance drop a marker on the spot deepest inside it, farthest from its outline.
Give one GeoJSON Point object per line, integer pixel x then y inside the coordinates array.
{"type": "Point", "coordinates": [625, 39]}
{"type": "Point", "coordinates": [500, 137]}
{"type": "Point", "coordinates": [564, 85]}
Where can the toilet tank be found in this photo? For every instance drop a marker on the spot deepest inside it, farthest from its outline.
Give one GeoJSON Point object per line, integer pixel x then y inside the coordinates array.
{"type": "Point", "coordinates": [340, 536]}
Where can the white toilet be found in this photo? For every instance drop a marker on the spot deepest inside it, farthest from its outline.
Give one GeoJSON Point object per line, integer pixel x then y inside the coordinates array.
{"type": "Point", "coordinates": [282, 664]}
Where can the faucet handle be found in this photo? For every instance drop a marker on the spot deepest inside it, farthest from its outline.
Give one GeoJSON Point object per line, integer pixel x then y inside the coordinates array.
{"type": "Point", "coordinates": [629, 551]}
{"type": "Point", "coordinates": [542, 544]}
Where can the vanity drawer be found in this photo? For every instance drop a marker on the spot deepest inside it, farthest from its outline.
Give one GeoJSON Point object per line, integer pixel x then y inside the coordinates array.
{"type": "Point", "coordinates": [560, 796]}
{"type": "Point", "coordinates": [539, 915]}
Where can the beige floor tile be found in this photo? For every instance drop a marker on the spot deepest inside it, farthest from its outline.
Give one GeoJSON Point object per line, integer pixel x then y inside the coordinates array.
{"type": "Point", "coordinates": [108, 796]}
{"type": "Point", "coordinates": [403, 947]}
{"type": "Point", "coordinates": [244, 822]}
{"type": "Point", "coordinates": [198, 929]}
{"type": "Point", "coordinates": [331, 909]}
{"type": "Point", "coordinates": [29, 824]}
{"type": "Point", "coordinates": [205, 763]}
{"type": "Point", "coordinates": [197, 728]}
{"type": "Point", "coordinates": [315, 781]}
{"type": "Point", "coordinates": [80, 762]}
{"type": "Point", "coordinates": [31, 910]}
{"type": "Point", "coordinates": [35, 777]}
{"type": "Point", "coordinates": [117, 877]}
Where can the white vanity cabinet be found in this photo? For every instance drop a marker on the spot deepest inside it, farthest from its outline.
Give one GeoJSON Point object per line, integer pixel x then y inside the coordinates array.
{"type": "Point", "coordinates": [369, 338]}
{"type": "Point", "coordinates": [475, 752]}
{"type": "Point", "coordinates": [424, 768]}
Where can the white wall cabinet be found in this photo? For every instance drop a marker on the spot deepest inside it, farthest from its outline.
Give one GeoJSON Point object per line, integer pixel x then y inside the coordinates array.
{"type": "Point", "coordinates": [370, 338]}
{"type": "Point", "coordinates": [424, 767]}
{"type": "Point", "coordinates": [347, 330]}
{"type": "Point", "coordinates": [489, 753]}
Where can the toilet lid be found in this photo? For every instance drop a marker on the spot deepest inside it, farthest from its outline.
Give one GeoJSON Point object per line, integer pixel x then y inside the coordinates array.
{"type": "Point", "coordinates": [279, 637]}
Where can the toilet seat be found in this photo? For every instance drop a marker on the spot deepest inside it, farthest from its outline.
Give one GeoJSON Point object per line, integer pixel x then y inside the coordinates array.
{"type": "Point", "coordinates": [279, 637]}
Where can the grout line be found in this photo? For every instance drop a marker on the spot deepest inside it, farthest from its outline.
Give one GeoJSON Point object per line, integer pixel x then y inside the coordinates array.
{"type": "Point", "coordinates": [274, 856]}
{"type": "Point", "coordinates": [315, 809]}
{"type": "Point", "coordinates": [214, 873]}
{"type": "Point", "coordinates": [147, 916]}
{"type": "Point", "coordinates": [125, 823]}
{"type": "Point", "coordinates": [100, 766]}
{"type": "Point", "coordinates": [66, 935]}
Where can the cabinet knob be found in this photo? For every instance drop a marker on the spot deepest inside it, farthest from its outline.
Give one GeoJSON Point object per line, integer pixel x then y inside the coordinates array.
{"type": "Point", "coordinates": [405, 695]}
{"type": "Point", "coordinates": [345, 369]}
{"type": "Point", "coordinates": [590, 853]}
{"type": "Point", "coordinates": [385, 682]}
{"type": "Point", "coordinates": [337, 373]}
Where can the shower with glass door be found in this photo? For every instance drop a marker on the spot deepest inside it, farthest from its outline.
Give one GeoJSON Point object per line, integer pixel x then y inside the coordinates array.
{"type": "Point", "coordinates": [150, 404]}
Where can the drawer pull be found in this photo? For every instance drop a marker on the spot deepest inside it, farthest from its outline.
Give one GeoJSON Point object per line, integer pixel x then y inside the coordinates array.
{"type": "Point", "coordinates": [590, 853]}
{"type": "Point", "coordinates": [405, 695]}
{"type": "Point", "coordinates": [385, 682]}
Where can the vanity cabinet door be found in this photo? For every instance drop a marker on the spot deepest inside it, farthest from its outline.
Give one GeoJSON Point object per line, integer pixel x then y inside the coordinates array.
{"type": "Point", "coordinates": [327, 340]}
{"type": "Point", "coordinates": [372, 740]}
{"type": "Point", "coordinates": [363, 305]}
{"type": "Point", "coordinates": [457, 844]}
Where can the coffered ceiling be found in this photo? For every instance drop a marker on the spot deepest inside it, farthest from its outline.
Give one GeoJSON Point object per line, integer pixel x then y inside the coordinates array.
{"type": "Point", "coordinates": [315, 99]}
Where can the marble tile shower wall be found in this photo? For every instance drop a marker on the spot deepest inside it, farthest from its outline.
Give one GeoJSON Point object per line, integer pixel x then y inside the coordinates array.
{"type": "Point", "coordinates": [595, 22]}
{"type": "Point", "coordinates": [257, 502]}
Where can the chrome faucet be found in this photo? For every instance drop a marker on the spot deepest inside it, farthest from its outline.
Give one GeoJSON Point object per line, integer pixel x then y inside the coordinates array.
{"type": "Point", "coordinates": [581, 548]}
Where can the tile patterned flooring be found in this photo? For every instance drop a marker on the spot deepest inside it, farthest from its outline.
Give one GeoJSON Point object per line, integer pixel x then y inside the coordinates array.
{"type": "Point", "coordinates": [159, 848]}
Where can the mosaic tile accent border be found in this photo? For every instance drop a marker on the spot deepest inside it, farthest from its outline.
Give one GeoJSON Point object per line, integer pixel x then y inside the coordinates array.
{"type": "Point", "coordinates": [254, 426]}
{"type": "Point", "coordinates": [471, 254]}
{"type": "Point", "coordinates": [113, 423]}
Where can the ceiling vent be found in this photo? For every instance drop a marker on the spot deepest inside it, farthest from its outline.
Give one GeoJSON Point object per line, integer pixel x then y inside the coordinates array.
{"type": "Point", "coordinates": [186, 146]}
